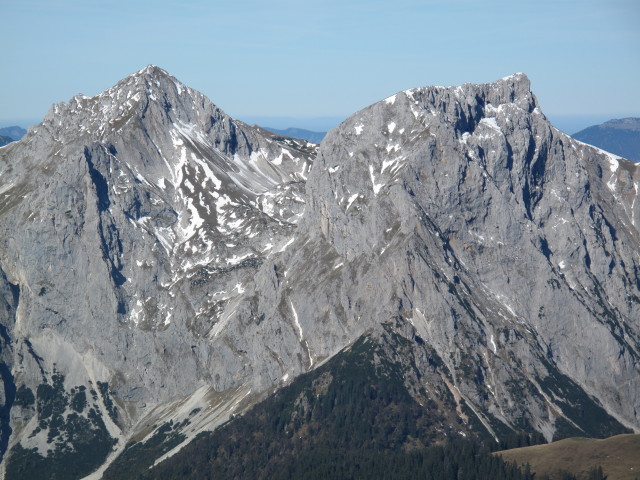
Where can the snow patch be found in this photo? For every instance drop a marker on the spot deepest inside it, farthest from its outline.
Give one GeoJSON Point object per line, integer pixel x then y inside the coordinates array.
{"type": "Point", "coordinates": [195, 221]}
{"type": "Point", "coordinates": [393, 162]}
{"type": "Point", "coordinates": [395, 148]}
{"type": "Point", "coordinates": [237, 259]}
{"type": "Point", "coordinates": [209, 175]}
{"type": "Point", "coordinates": [351, 199]}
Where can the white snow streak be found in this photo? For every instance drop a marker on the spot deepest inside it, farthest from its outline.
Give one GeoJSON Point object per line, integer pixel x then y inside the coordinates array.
{"type": "Point", "coordinates": [295, 319]}
{"type": "Point", "coordinates": [302, 340]}
{"type": "Point", "coordinates": [284, 247]}
{"type": "Point", "coordinates": [352, 199]}
{"type": "Point", "coordinates": [376, 186]}
{"type": "Point", "coordinates": [493, 344]}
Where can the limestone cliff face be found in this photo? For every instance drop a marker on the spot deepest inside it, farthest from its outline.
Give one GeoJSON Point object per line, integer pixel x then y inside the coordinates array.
{"type": "Point", "coordinates": [162, 262]}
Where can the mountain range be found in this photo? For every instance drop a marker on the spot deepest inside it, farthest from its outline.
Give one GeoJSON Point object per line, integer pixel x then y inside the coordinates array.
{"type": "Point", "coordinates": [165, 268]}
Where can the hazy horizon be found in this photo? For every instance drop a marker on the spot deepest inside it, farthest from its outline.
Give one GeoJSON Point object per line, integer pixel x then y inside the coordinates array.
{"type": "Point", "coordinates": [569, 124]}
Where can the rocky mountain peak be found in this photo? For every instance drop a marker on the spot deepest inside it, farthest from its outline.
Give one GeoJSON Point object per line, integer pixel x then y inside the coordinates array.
{"type": "Point", "coordinates": [152, 71]}
{"type": "Point", "coordinates": [130, 100]}
{"type": "Point", "coordinates": [147, 77]}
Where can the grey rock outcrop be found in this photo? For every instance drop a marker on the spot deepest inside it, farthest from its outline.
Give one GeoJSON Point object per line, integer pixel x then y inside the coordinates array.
{"type": "Point", "coordinates": [178, 265]}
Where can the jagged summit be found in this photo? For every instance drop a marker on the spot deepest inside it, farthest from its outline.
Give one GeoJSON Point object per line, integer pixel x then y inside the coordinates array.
{"type": "Point", "coordinates": [174, 117]}
{"type": "Point", "coordinates": [130, 98]}
{"type": "Point", "coordinates": [375, 140]}
{"type": "Point", "coordinates": [504, 90]}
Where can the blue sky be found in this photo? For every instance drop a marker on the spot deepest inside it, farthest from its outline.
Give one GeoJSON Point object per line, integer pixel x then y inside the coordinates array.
{"type": "Point", "coordinates": [304, 60]}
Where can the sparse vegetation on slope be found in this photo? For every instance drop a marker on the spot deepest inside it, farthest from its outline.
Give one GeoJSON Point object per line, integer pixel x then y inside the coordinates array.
{"type": "Point", "coordinates": [618, 457]}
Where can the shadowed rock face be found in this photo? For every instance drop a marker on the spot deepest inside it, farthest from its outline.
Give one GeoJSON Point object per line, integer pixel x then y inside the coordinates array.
{"type": "Point", "coordinates": [167, 263]}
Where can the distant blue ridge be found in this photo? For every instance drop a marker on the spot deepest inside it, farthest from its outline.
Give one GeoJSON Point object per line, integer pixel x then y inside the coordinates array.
{"type": "Point", "coordinates": [618, 136]}
{"type": "Point", "coordinates": [14, 132]}
{"type": "Point", "coordinates": [308, 135]}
